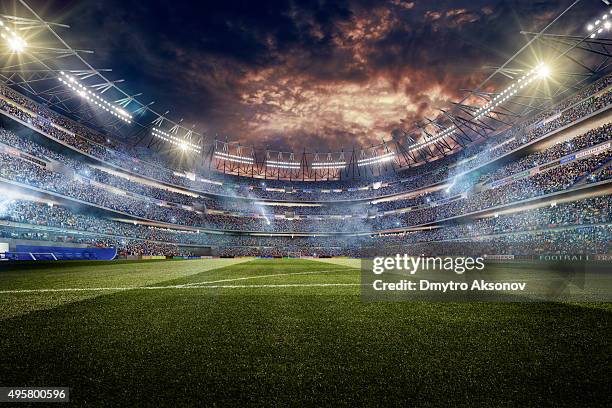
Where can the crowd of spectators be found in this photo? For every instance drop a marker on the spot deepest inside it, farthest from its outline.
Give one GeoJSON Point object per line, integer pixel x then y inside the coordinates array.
{"type": "Point", "coordinates": [559, 150]}
{"type": "Point", "coordinates": [553, 180]}
{"type": "Point", "coordinates": [583, 212]}
{"type": "Point", "coordinates": [29, 173]}
{"type": "Point", "coordinates": [581, 226]}
{"type": "Point", "coordinates": [587, 101]}
{"type": "Point", "coordinates": [581, 240]}
{"type": "Point", "coordinates": [426, 210]}
{"type": "Point", "coordinates": [530, 161]}
{"type": "Point", "coordinates": [167, 194]}
{"type": "Point", "coordinates": [248, 207]}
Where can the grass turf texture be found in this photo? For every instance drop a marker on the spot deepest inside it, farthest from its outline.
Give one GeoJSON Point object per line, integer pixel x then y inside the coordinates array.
{"type": "Point", "coordinates": [289, 345]}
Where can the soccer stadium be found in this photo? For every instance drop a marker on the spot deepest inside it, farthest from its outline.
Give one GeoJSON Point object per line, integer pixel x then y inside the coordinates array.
{"type": "Point", "coordinates": [306, 203]}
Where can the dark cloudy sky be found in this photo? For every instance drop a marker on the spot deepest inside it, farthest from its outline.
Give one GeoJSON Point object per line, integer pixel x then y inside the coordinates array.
{"type": "Point", "coordinates": [314, 74]}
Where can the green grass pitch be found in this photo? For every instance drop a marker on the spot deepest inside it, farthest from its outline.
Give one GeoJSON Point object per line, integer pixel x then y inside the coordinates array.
{"type": "Point", "coordinates": [286, 332]}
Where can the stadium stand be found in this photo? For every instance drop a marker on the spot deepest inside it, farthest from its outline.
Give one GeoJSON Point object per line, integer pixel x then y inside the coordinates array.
{"type": "Point", "coordinates": [106, 194]}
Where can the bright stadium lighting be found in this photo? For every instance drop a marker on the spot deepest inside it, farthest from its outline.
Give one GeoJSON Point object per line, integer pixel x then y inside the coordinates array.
{"type": "Point", "coordinates": [72, 83]}
{"type": "Point", "coordinates": [328, 165]}
{"type": "Point", "coordinates": [599, 26]}
{"type": "Point", "coordinates": [16, 44]}
{"type": "Point", "coordinates": [182, 144]}
{"type": "Point", "coordinates": [543, 71]}
{"type": "Point", "coordinates": [376, 159]}
{"type": "Point", "coordinates": [233, 158]}
{"type": "Point", "coordinates": [292, 165]}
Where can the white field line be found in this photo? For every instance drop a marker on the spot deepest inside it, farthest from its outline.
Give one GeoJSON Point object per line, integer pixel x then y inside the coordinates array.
{"type": "Point", "coordinates": [262, 276]}
{"type": "Point", "coordinates": [280, 285]}
{"type": "Point", "coordinates": [196, 285]}
{"type": "Point", "coordinates": [285, 285]}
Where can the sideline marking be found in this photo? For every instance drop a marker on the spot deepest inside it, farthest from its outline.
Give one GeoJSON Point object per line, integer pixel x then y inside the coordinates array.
{"type": "Point", "coordinates": [281, 285]}
{"type": "Point", "coordinates": [194, 285]}
{"type": "Point", "coordinates": [261, 276]}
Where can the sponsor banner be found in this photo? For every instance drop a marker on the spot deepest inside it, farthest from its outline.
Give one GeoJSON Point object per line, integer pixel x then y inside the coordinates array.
{"type": "Point", "coordinates": [499, 257]}
{"type": "Point", "coordinates": [446, 200]}
{"type": "Point", "coordinates": [521, 175]}
{"type": "Point", "coordinates": [497, 183]}
{"type": "Point", "coordinates": [564, 257]}
{"type": "Point", "coordinates": [593, 150]}
{"type": "Point", "coordinates": [602, 257]}
{"type": "Point", "coordinates": [567, 158]}
{"type": "Point", "coordinates": [549, 165]}
{"type": "Point", "coordinates": [514, 177]}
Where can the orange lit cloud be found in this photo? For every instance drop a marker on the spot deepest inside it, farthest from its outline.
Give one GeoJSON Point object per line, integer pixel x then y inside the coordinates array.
{"type": "Point", "coordinates": [317, 75]}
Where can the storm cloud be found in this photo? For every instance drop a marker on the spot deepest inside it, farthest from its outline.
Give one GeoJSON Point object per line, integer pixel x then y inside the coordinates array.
{"type": "Point", "coordinates": [317, 75]}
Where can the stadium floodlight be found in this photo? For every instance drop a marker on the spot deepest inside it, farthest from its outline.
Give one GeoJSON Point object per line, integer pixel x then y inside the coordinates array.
{"type": "Point", "coordinates": [74, 84]}
{"type": "Point", "coordinates": [600, 25]}
{"type": "Point", "coordinates": [292, 165]}
{"type": "Point", "coordinates": [14, 41]}
{"type": "Point", "coordinates": [233, 158]}
{"type": "Point", "coordinates": [16, 44]}
{"type": "Point", "coordinates": [182, 144]}
{"type": "Point", "coordinates": [376, 159]}
{"type": "Point", "coordinates": [541, 71]}
{"type": "Point", "coordinates": [328, 165]}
